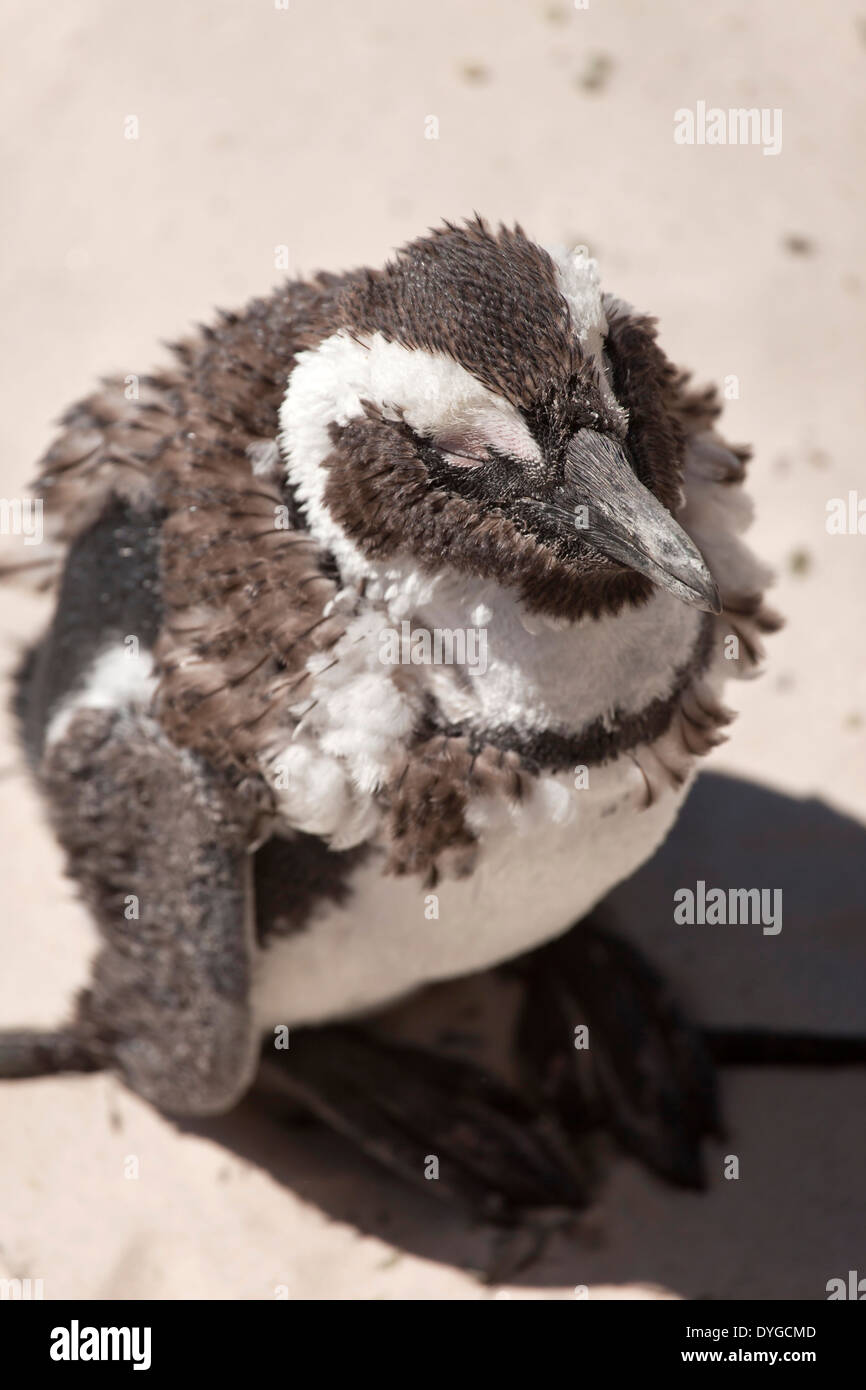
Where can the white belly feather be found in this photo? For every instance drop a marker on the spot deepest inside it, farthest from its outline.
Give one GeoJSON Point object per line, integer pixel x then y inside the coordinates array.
{"type": "Point", "coordinates": [540, 869]}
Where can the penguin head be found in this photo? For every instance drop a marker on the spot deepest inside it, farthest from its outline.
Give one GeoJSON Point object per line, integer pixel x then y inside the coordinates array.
{"type": "Point", "coordinates": [483, 407]}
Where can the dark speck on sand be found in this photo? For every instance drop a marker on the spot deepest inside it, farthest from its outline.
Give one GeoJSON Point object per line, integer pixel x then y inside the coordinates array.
{"type": "Point", "coordinates": [798, 245]}
{"type": "Point", "coordinates": [474, 73]}
{"type": "Point", "coordinates": [596, 73]}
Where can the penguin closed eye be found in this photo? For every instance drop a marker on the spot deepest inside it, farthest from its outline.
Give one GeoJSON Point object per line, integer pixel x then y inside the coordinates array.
{"type": "Point", "coordinates": [290, 790]}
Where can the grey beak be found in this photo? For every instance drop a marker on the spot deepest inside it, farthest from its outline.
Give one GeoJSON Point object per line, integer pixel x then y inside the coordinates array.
{"type": "Point", "coordinates": [627, 523]}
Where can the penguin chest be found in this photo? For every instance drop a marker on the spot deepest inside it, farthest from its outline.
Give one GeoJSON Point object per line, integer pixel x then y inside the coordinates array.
{"type": "Point", "coordinates": [541, 866]}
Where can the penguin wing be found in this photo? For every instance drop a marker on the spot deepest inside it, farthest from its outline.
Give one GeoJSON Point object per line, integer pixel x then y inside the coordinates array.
{"type": "Point", "coordinates": [107, 449]}
{"type": "Point", "coordinates": [158, 846]}
{"type": "Point", "coordinates": [156, 839]}
{"type": "Point", "coordinates": [247, 603]}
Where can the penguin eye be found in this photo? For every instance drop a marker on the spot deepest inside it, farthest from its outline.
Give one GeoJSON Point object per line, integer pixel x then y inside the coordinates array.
{"type": "Point", "coordinates": [491, 438]}
{"type": "Point", "coordinates": [463, 448]}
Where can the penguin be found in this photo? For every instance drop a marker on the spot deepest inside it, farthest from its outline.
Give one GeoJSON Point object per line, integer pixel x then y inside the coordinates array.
{"type": "Point", "coordinates": [390, 624]}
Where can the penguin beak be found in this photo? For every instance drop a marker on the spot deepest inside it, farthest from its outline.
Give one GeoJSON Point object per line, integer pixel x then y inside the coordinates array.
{"type": "Point", "coordinates": [625, 521]}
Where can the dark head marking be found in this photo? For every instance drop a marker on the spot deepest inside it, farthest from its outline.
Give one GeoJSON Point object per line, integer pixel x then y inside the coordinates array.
{"type": "Point", "coordinates": [488, 300]}
{"type": "Point", "coordinates": [562, 483]}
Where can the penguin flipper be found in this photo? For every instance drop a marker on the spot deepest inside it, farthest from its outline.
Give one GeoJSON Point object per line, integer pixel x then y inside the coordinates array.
{"type": "Point", "coordinates": [437, 1122]}
{"type": "Point", "coordinates": [159, 846]}
{"type": "Point", "coordinates": [640, 1069]}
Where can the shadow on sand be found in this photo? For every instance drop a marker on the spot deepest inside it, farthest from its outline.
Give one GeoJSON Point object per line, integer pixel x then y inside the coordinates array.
{"type": "Point", "coordinates": [784, 1226]}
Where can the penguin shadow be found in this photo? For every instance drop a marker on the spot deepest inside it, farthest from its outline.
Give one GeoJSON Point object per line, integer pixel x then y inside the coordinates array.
{"type": "Point", "coordinates": [779, 1229]}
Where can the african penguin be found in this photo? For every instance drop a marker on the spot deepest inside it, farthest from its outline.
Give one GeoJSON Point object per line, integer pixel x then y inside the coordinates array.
{"type": "Point", "coordinates": [400, 592]}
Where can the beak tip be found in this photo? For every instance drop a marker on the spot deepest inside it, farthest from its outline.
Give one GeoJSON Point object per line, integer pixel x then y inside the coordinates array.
{"type": "Point", "coordinates": [697, 589]}
{"type": "Point", "coordinates": [713, 599]}
{"type": "Point", "coordinates": [701, 592]}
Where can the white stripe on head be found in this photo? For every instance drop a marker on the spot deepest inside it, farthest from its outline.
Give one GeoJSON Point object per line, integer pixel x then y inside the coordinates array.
{"type": "Point", "coordinates": [579, 283]}
{"type": "Point", "coordinates": [436, 397]}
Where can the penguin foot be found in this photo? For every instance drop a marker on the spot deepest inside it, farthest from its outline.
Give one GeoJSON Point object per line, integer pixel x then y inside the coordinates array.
{"type": "Point", "coordinates": [603, 1043]}
{"type": "Point", "coordinates": [440, 1123]}
{"type": "Point", "coordinates": [25, 1053]}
